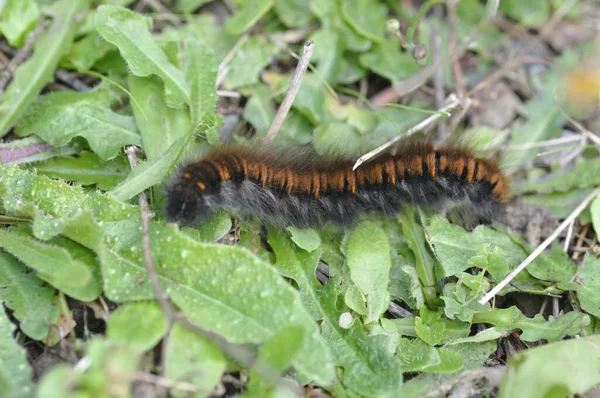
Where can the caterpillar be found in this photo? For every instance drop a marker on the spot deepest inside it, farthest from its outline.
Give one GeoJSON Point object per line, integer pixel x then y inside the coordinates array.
{"type": "Point", "coordinates": [289, 192]}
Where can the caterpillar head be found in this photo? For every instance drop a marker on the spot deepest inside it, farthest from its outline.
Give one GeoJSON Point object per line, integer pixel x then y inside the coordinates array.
{"type": "Point", "coordinates": [188, 194]}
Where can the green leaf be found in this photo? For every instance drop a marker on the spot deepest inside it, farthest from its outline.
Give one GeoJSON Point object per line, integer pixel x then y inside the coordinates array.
{"type": "Point", "coordinates": [277, 353]}
{"type": "Point", "coordinates": [311, 100]}
{"type": "Point", "coordinates": [259, 109]}
{"type": "Point", "coordinates": [207, 30]}
{"type": "Point", "coordinates": [86, 169]}
{"type": "Point", "coordinates": [129, 31]}
{"type": "Point", "coordinates": [151, 172]}
{"type": "Point", "coordinates": [368, 257]}
{"type": "Point", "coordinates": [536, 328]}
{"type": "Point", "coordinates": [223, 288]}
{"type": "Point", "coordinates": [386, 60]}
{"type": "Point", "coordinates": [425, 262]}
{"type": "Point", "coordinates": [31, 76]}
{"type": "Point", "coordinates": [415, 355]}
{"type": "Point", "coordinates": [201, 75]}
{"type": "Point", "coordinates": [531, 13]}
{"type": "Point", "coordinates": [59, 117]}
{"type": "Point", "coordinates": [15, 371]}
{"type": "Point", "coordinates": [187, 6]}
{"type": "Point", "coordinates": [337, 139]}
{"type": "Point", "coordinates": [193, 359]}
{"type": "Point", "coordinates": [587, 285]}
{"type": "Point", "coordinates": [367, 364]}
{"type": "Point", "coordinates": [430, 331]}
{"type": "Point", "coordinates": [293, 13]}
{"type": "Point", "coordinates": [450, 362]}
{"type": "Point", "coordinates": [160, 126]}
{"type": "Point", "coordinates": [455, 247]}
{"type": "Point", "coordinates": [139, 326]}
{"type": "Point", "coordinates": [65, 265]}
{"type": "Point", "coordinates": [542, 116]}
{"type": "Point", "coordinates": [18, 19]}
{"type": "Point", "coordinates": [307, 239]}
{"type": "Point", "coordinates": [461, 303]}
{"type": "Point", "coordinates": [367, 17]}
{"type": "Point", "coordinates": [247, 63]}
{"type": "Point", "coordinates": [595, 210]}
{"type": "Point", "coordinates": [24, 293]}
{"type": "Point", "coordinates": [560, 369]}
{"type": "Point", "coordinates": [586, 173]}
{"type": "Point", "coordinates": [108, 372]}
{"type": "Point", "coordinates": [491, 261]}
{"type": "Point", "coordinates": [86, 52]}
{"type": "Point", "coordinates": [327, 53]}
{"type": "Point", "coordinates": [554, 266]}
{"type": "Point", "coordinates": [249, 13]}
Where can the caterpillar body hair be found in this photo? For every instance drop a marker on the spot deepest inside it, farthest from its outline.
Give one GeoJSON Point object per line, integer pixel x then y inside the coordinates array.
{"type": "Point", "coordinates": [285, 192]}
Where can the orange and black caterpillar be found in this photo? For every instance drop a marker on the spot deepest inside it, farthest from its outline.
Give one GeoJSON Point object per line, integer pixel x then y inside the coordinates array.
{"type": "Point", "coordinates": [289, 192]}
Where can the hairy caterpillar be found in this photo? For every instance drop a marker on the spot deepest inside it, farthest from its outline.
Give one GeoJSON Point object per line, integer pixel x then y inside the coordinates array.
{"type": "Point", "coordinates": [289, 192]}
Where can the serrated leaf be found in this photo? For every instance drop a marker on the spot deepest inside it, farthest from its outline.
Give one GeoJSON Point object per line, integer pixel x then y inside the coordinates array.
{"type": "Point", "coordinates": [219, 287]}
{"type": "Point", "coordinates": [160, 126]}
{"type": "Point", "coordinates": [536, 328]}
{"type": "Point", "coordinates": [490, 260]}
{"type": "Point", "coordinates": [86, 169]}
{"type": "Point", "coordinates": [415, 355]}
{"type": "Point", "coordinates": [201, 75]}
{"type": "Point", "coordinates": [24, 293]}
{"type": "Point", "coordinates": [18, 19]}
{"type": "Point", "coordinates": [307, 239]}
{"type": "Point", "coordinates": [368, 258]}
{"type": "Point", "coordinates": [368, 366]}
{"type": "Point", "coordinates": [193, 359]}
{"type": "Point", "coordinates": [461, 303]}
{"type": "Point", "coordinates": [59, 117]}
{"type": "Point", "coordinates": [454, 246]}
{"type": "Point", "coordinates": [564, 368]}
{"type": "Point", "coordinates": [139, 326]}
{"type": "Point", "coordinates": [31, 76]}
{"type": "Point", "coordinates": [249, 13]}
{"type": "Point", "coordinates": [129, 31]}
{"type": "Point", "coordinates": [151, 172]}
{"type": "Point", "coordinates": [366, 17]}
{"type": "Point", "coordinates": [15, 372]}
{"type": "Point", "coordinates": [65, 266]}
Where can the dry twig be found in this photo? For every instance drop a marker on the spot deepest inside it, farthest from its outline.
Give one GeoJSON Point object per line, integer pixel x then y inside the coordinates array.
{"type": "Point", "coordinates": [285, 106]}
{"type": "Point", "coordinates": [582, 206]}
{"type": "Point", "coordinates": [453, 102]}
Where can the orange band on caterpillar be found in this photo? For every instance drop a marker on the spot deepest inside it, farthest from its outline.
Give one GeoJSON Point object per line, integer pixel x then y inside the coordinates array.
{"type": "Point", "coordinates": [315, 193]}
